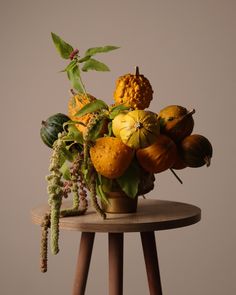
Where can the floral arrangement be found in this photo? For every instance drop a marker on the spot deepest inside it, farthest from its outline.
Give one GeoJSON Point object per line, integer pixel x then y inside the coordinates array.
{"type": "Point", "coordinates": [98, 148]}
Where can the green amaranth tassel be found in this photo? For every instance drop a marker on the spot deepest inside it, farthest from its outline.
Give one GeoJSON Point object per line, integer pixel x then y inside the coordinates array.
{"type": "Point", "coordinates": [94, 198]}
{"type": "Point", "coordinates": [55, 191]}
{"type": "Point", "coordinates": [93, 121]}
{"type": "Point", "coordinates": [44, 242]}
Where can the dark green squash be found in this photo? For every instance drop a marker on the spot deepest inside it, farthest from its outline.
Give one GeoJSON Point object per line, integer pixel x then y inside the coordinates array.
{"type": "Point", "coordinates": [51, 127]}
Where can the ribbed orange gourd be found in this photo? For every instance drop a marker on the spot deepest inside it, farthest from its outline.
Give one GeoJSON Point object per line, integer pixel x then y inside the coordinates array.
{"type": "Point", "coordinates": [159, 156]}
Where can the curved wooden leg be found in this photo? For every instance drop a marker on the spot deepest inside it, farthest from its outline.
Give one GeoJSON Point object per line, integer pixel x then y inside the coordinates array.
{"type": "Point", "coordinates": [116, 241]}
{"type": "Point", "coordinates": [83, 262]}
{"type": "Point", "coordinates": [151, 261]}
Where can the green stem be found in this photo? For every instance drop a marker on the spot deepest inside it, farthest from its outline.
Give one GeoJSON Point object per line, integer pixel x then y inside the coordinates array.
{"type": "Point", "coordinates": [83, 87]}
{"type": "Point", "coordinates": [81, 82]}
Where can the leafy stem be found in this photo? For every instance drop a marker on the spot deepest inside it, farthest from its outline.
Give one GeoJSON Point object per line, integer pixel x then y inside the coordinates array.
{"type": "Point", "coordinates": [67, 51]}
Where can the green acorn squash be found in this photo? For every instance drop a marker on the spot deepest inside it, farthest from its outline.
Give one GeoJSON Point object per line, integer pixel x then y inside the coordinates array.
{"type": "Point", "coordinates": [51, 127]}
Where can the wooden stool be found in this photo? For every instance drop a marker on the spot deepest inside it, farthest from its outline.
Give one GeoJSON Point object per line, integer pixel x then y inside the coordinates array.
{"type": "Point", "coordinates": [152, 215]}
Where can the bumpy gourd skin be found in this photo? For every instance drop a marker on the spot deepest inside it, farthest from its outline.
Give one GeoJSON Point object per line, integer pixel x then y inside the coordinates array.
{"type": "Point", "coordinates": [110, 156]}
{"type": "Point", "coordinates": [135, 91]}
{"type": "Point", "coordinates": [76, 103]}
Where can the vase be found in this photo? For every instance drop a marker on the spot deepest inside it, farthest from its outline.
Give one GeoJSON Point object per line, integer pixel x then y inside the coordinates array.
{"type": "Point", "coordinates": [119, 202]}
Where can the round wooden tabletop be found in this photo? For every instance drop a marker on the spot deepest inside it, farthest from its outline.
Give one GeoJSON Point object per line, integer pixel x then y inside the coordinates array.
{"type": "Point", "coordinates": [151, 215]}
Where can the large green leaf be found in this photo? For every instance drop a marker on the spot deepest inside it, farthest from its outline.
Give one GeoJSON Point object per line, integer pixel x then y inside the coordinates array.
{"type": "Point", "coordinates": [117, 109]}
{"type": "Point", "coordinates": [91, 107]}
{"type": "Point", "coordinates": [129, 181]}
{"type": "Point", "coordinates": [73, 134]}
{"type": "Point", "coordinates": [74, 76]}
{"type": "Point", "coordinates": [99, 189]}
{"type": "Point", "coordinates": [95, 132]}
{"type": "Point", "coordinates": [65, 170]}
{"type": "Point", "coordinates": [62, 47]}
{"type": "Point", "coordinates": [66, 153]}
{"type": "Point", "coordinates": [106, 183]}
{"type": "Point", "coordinates": [95, 65]}
{"type": "Point", "coordinates": [95, 50]}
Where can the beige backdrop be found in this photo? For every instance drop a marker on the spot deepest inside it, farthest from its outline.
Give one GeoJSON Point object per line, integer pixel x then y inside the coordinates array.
{"type": "Point", "coordinates": [187, 50]}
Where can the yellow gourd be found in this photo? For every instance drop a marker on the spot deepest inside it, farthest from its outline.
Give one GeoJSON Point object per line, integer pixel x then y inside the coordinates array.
{"type": "Point", "coordinates": [137, 129]}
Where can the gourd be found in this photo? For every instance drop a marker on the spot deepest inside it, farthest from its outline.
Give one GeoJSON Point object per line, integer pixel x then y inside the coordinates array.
{"type": "Point", "coordinates": [176, 122]}
{"type": "Point", "coordinates": [133, 90]}
{"type": "Point", "coordinates": [116, 124]}
{"type": "Point", "coordinates": [159, 156]}
{"type": "Point", "coordinates": [137, 129]}
{"type": "Point", "coordinates": [196, 151]}
{"type": "Point", "coordinates": [179, 163]}
{"type": "Point", "coordinates": [51, 127]}
{"type": "Point", "coordinates": [76, 103]}
{"type": "Point", "coordinates": [110, 156]}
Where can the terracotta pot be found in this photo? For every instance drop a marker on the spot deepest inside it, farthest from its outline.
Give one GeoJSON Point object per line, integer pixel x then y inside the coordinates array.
{"type": "Point", "coordinates": [119, 202]}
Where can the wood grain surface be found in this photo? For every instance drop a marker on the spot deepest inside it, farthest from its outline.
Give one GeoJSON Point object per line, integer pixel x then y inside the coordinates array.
{"type": "Point", "coordinates": [151, 215]}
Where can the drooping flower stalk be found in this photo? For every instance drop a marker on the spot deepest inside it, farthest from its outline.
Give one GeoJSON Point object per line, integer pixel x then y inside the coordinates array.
{"type": "Point", "coordinates": [92, 188]}
{"type": "Point", "coordinates": [44, 242]}
{"type": "Point", "coordinates": [55, 191]}
{"type": "Point", "coordinates": [82, 193]}
{"type": "Point", "coordinates": [74, 171]}
{"type": "Point", "coordinates": [87, 133]}
{"type": "Point", "coordinates": [77, 189]}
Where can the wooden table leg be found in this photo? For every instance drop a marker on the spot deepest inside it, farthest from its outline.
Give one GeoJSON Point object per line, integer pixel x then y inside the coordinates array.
{"type": "Point", "coordinates": [116, 245]}
{"type": "Point", "coordinates": [151, 261]}
{"type": "Point", "coordinates": [83, 262]}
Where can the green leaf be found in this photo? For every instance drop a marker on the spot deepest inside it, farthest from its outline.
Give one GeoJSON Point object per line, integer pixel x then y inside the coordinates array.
{"type": "Point", "coordinates": [66, 153]}
{"type": "Point", "coordinates": [65, 171]}
{"type": "Point", "coordinates": [73, 134]}
{"type": "Point", "coordinates": [99, 190]}
{"type": "Point", "coordinates": [70, 122]}
{"type": "Point", "coordinates": [101, 194]}
{"type": "Point", "coordinates": [117, 109]}
{"type": "Point", "coordinates": [95, 132]}
{"type": "Point", "coordinates": [70, 66]}
{"type": "Point", "coordinates": [62, 47]}
{"type": "Point", "coordinates": [93, 64]}
{"type": "Point", "coordinates": [74, 76]}
{"type": "Point", "coordinates": [91, 107]}
{"type": "Point", "coordinates": [95, 50]}
{"type": "Point", "coordinates": [106, 183]}
{"type": "Point", "coordinates": [85, 58]}
{"type": "Point", "coordinates": [129, 181]}
{"type": "Point", "coordinates": [109, 126]}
